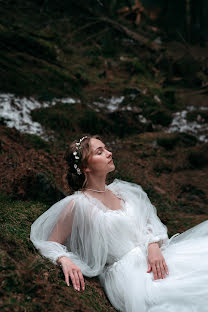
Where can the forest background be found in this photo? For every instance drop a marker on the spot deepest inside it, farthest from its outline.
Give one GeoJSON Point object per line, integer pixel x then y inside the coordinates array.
{"type": "Point", "coordinates": [135, 72]}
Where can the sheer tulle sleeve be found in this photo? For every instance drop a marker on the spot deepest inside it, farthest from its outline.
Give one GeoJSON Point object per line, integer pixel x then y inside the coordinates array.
{"type": "Point", "coordinates": [74, 228]}
{"type": "Point", "coordinates": [145, 214]}
{"type": "Point", "coordinates": [155, 230]}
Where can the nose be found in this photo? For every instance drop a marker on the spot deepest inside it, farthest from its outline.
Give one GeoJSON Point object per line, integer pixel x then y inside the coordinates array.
{"type": "Point", "coordinates": [109, 154]}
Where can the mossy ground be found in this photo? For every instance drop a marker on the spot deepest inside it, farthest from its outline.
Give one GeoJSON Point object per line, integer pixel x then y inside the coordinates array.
{"type": "Point", "coordinates": [28, 281]}
{"type": "Point", "coordinates": [31, 283]}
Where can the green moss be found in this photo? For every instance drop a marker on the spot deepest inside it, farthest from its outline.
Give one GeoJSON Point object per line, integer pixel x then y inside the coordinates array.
{"type": "Point", "coordinates": [91, 122]}
{"type": "Point", "coordinates": [24, 42]}
{"type": "Point", "coordinates": [170, 141]}
{"type": "Point", "coordinates": [154, 111]}
{"type": "Point", "coordinates": [15, 218]}
{"type": "Point", "coordinates": [6, 59]}
{"type": "Point", "coordinates": [193, 191]}
{"type": "Point", "coordinates": [58, 118]}
{"type": "Point", "coordinates": [33, 64]}
{"type": "Point", "coordinates": [161, 201]}
{"type": "Point", "coordinates": [160, 116]}
{"type": "Point", "coordinates": [193, 115]}
{"type": "Point", "coordinates": [162, 167]}
{"type": "Point", "coordinates": [136, 66]}
{"type": "Point", "coordinates": [34, 77]}
{"type": "Point", "coordinates": [68, 118]}
{"type": "Point", "coordinates": [31, 282]}
{"type": "Point", "coordinates": [198, 157]}
{"type": "Point", "coordinates": [109, 46]}
{"type": "Point", "coordinates": [36, 142]}
{"type": "Point", "coordinates": [187, 139]}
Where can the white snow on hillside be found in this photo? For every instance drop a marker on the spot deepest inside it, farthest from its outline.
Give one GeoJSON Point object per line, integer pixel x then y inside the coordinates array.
{"type": "Point", "coordinates": [16, 112]}
{"type": "Point", "coordinates": [197, 128]}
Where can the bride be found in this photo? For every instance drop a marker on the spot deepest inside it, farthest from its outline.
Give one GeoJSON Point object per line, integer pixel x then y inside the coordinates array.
{"type": "Point", "coordinates": [113, 232]}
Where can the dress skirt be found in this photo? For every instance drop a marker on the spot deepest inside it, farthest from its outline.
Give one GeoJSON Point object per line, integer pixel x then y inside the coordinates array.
{"type": "Point", "coordinates": [185, 289]}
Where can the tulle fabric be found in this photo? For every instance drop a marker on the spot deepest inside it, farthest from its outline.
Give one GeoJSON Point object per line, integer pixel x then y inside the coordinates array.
{"type": "Point", "coordinates": [112, 244]}
{"type": "Point", "coordinates": [66, 229]}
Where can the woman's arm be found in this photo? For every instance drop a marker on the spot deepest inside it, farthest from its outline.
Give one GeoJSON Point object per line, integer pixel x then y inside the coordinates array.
{"type": "Point", "coordinates": [156, 237]}
{"type": "Point", "coordinates": [156, 261]}
{"type": "Point", "coordinates": [75, 230]}
{"type": "Point", "coordinates": [154, 232]}
{"type": "Point", "coordinates": [63, 227]}
{"type": "Point", "coordinates": [72, 270]}
{"type": "Point", "coordinates": [59, 234]}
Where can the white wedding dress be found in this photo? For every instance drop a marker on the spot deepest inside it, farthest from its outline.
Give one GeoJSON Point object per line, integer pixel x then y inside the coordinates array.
{"type": "Point", "coordinates": [113, 245]}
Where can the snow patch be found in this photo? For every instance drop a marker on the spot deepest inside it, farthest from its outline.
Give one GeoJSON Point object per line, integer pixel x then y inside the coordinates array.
{"type": "Point", "coordinates": [16, 112]}
{"type": "Point", "coordinates": [181, 124]}
{"type": "Point", "coordinates": [111, 104]}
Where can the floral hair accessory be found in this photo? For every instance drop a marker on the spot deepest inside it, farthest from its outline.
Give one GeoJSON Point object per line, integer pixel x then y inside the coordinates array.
{"type": "Point", "coordinates": [78, 147]}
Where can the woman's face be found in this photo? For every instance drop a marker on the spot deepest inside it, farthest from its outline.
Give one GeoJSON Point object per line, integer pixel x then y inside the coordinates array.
{"type": "Point", "coordinates": [100, 161]}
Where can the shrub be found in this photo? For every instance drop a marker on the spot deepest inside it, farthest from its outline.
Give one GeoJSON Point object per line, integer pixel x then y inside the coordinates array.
{"type": "Point", "coordinates": [198, 158]}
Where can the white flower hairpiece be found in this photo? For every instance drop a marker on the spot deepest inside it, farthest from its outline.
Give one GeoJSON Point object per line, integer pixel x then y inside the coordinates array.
{"type": "Point", "coordinates": [78, 147]}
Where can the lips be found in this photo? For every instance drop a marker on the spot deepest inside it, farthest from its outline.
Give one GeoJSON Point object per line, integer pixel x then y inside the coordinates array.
{"type": "Point", "coordinates": [110, 161]}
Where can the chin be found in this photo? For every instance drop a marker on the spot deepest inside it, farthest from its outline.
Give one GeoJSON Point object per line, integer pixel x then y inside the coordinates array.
{"type": "Point", "coordinates": [113, 168]}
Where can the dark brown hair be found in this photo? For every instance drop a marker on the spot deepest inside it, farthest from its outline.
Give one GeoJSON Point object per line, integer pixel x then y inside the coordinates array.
{"type": "Point", "coordinates": [77, 181]}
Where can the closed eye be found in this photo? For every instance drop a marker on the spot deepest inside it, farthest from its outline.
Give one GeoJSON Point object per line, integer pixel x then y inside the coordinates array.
{"type": "Point", "coordinates": [101, 149]}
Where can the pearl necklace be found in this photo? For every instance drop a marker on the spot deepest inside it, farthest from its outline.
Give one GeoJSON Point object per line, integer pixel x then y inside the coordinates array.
{"type": "Point", "coordinates": [96, 190]}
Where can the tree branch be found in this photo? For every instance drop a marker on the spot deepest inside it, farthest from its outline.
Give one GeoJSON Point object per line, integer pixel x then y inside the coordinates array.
{"type": "Point", "coordinates": [131, 34]}
{"type": "Point", "coordinates": [123, 29]}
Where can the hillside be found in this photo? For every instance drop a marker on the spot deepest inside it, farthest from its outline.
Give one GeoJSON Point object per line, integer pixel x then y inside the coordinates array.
{"type": "Point", "coordinates": [65, 71]}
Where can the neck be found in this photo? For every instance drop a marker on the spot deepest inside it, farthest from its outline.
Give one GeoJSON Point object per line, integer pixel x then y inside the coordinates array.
{"type": "Point", "coordinates": [96, 183]}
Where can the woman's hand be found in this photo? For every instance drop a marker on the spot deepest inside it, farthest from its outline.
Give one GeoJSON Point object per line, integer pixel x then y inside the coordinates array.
{"type": "Point", "coordinates": [156, 261]}
{"type": "Point", "coordinates": [70, 269]}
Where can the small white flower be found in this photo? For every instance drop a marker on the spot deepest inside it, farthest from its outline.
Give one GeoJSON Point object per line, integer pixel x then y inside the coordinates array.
{"type": "Point", "coordinates": [75, 153]}
{"type": "Point", "coordinates": [76, 157]}
{"type": "Point", "coordinates": [75, 166]}
{"type": "Point", "coordinates": [78, 171]}
{"type": "Point", "coordinates": [77, 144]}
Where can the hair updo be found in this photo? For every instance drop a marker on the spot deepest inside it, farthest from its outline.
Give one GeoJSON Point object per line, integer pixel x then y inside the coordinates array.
{"type": "Point", "coordinates": [77, 158]}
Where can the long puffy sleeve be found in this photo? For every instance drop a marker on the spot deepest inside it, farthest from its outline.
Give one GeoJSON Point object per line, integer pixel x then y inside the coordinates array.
{"type": "Point", "coordinates": [154, 229]}
{"type": "Point", "coordinates": [73, 228]}
{"type": "Point", "coordinates": [145, 215]}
